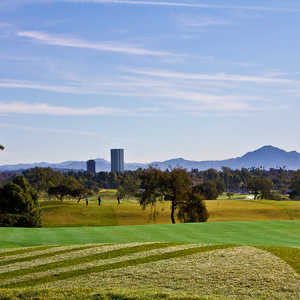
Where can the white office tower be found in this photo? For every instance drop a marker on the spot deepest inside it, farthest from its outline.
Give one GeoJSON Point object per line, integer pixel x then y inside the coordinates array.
{"type": "Point", "coordinates": [117, 160]}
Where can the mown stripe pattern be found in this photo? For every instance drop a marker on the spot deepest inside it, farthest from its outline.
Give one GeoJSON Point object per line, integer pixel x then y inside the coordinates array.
{"type": "Point", "coordinates": [108, 259]}
{"type": "Point", "coordinates": [24, 250]}
{"type": "Point", "coordinates": [45, 255]}
{"type": "Point", "coordinates": [84, 259]}
{"type": "Point", "coordinates": [123, 264]}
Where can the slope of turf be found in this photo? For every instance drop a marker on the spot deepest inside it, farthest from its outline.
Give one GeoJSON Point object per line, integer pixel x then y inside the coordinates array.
{"type": "Point", "coordinates": [71, 213]}
{"type": "Point", "coordinates": [118, 265]}
{"type": "Point", "coordinates": [264, 233]}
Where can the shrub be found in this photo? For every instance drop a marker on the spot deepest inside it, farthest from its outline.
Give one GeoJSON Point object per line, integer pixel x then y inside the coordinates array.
{"type": "Point", "coordinates": [19, 204]}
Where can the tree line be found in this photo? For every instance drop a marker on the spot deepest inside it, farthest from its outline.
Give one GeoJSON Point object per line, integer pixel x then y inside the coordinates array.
{"type": "Point", "coordinates": [267, 184]}
{"type": "Point", "coordinates": [185, 191]}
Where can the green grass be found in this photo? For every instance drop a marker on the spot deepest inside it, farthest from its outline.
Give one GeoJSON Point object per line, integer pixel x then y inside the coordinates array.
{"type": "Point", "coordinates": [22, 251]}
{"type": "Point", "coordinates": [71, 213]}
{"type": "Point", "coordinates": [44, 255]}
{"type": "Point", "coordinates": [118, 265]}
{"type": "Point", "coordinates": [83, 259]}
{"type": "Point", "coordinates": [289, 255]}
{"type": "Point", "coordinates": [235, 196]}
{"type": "Point", "coordinates": [264, 233]}
{"type": "Point", "coordinates": [181, 272]}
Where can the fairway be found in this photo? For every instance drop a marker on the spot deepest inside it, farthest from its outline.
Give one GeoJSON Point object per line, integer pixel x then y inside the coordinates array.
{"type": "Point", "coordinates": [129, 212]}
{"type": "Point", "coordinates": [278, 233]}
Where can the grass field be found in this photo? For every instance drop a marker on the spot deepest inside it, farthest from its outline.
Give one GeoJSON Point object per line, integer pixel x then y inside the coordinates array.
{"type": "Point", "coordinates": [234, 258]}
{"type": "Point", "coordinates": [150, 271]}
{"type": "Point", "coordinates": [71, 213]}
{"type": "Point", "coordinates": [278, 233]}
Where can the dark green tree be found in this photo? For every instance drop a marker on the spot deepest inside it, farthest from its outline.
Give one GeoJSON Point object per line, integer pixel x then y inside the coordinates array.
{"type": "Point", "coordinates": [59, 191]}
{"type": "Point", "coordinates": [1, 147]}
{"type": "Point", "coordinates": [193, 210]}
{"type": "Point", "coordinates": [207, 189]}
{"type": "Point", "coordinates": [260, 187]}
{"type": "Point", "coordinates": [129, 186]}
{"type": "Point", "coordinates": [19, 204]}
{"type": "Point", "coordinates": [174, 186]}
{"type": "Point", "coordinates": [41, 179]}
{"type": "Point", "coordinates": [295, 186]}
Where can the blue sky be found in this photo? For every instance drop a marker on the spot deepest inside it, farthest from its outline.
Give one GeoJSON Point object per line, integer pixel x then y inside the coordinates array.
{"type": "Point", "coordinates": [162, 79]}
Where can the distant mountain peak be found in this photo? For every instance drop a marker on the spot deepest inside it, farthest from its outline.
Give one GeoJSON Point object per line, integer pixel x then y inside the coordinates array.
{"type": "Point", "coordinates": [269, 148]}
{"type": "Point", "coordinates": [266, 156]}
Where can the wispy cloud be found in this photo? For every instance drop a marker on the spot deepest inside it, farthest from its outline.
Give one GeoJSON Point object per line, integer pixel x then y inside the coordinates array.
{"type": "Point", "coordinates": [214, 77]}
{"type": "Point", "coordinates": [15, 3]}
{"type": "Point", "coordinates": [200, 21]}
{"type": "Point", "coordinates": [98, 46]}
{"type": "Point", "coordinates": [46, 109]}
{"type": "Point", "coordinates": [48, 130]}
{"type": "Point", "coordinates": [159, 92]}
{"type": "Point", "coordinates": [184, 4]}
{"type": "Point", "coordinates": [19, 84]}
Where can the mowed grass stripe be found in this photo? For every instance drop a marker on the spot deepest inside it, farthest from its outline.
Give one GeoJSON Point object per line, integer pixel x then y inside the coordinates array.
{"type": "Point", "coordinates": [25, 250]}
{"type": "Point", "coordinates": [118, 265]}
{"type": "Point", "coordinates": [46, 255]}
{"type": "Point", "coordinates": [290, 255]}
{"type": "Point", "coordinates": [56, 271]}
{"type": "Point", "coordinates": [84, 259]}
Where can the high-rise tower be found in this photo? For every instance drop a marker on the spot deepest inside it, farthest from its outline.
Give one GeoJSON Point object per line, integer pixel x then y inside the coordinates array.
{"type": "Point", "coordinates": [117, 160]}
{"type": "Point", "coordinates": [91, 166]}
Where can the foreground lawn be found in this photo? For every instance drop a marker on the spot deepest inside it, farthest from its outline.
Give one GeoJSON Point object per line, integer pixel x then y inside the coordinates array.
{"type": "Point", "coordinates": [150, 271]}
{"type": "Point", "coordinates": [278, 233]}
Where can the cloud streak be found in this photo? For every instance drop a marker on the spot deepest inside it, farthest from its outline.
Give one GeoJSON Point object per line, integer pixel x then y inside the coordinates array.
{"type": "Point", "coordinates": [213, 77]}
{"type": "Point", "coordinates": [14, 3]}
{"type": "Point", "coordinates": [98, 46]}
{"type": "Point", "coordinates": [203, 21]}
{"type": "Point", "coordinates": [48, 130]}
{"type": "Point", "coordinates": [183, 4]}
{"type": "Point", "coordinates": [46, 109]}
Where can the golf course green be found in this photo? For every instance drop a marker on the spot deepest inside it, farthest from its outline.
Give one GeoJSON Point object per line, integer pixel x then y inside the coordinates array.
{"type": "Point", "coordinates": [267, 233]}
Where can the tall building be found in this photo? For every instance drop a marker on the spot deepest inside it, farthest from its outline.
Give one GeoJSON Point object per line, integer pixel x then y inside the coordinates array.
{"type": "Point", "coordinates": [91, 166]}
{"type": "Point", "coordinates": [117, 160]}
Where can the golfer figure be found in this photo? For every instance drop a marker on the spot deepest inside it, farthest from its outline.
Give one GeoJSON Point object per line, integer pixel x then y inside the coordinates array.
{"type": "Point", "coordinates": [87, 201]}
{"type": "Point", "coordinates": [99, 200]}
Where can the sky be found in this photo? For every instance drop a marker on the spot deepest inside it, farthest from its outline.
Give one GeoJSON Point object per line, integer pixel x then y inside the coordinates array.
{"type": "Point", "coordinates": [202, 80]}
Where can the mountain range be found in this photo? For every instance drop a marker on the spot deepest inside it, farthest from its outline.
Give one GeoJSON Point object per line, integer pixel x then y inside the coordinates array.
{"type": "Point", "coordinates": [266, 157]}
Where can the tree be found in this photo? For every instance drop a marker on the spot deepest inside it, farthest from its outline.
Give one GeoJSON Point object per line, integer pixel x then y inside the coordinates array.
{"type": "Point", "coordinates": [176, 187]}
{"type": "Point", "coordinates": [2, 147]}
{"type": "Point", "coordinates": [19, 204]}
{"type": "Point", "coordinates": [193, 210]}
{"type": "Point", "coordinates": [295, 186]}
{"type": "Point", "coordinates": [79, 192]}
{"type": "Point", "coordinates": [207, 189]}
{"type": "Point", "coordinates": [59, 191]}
{"type": "Point", "coordinates": [41, 179]}
{"type": "Point", "coordinates": [128, 186]}
{"type": "Point", "coordinates": [260, 187]}
{"type": "Point", "coordinates": [69, 187]}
